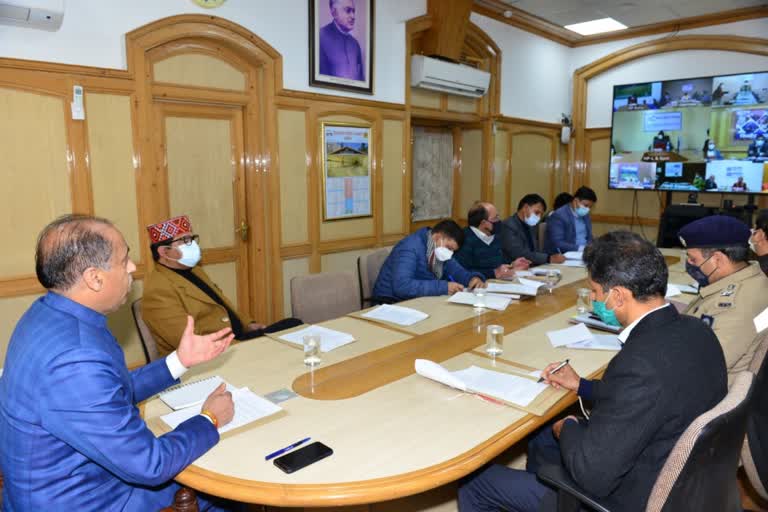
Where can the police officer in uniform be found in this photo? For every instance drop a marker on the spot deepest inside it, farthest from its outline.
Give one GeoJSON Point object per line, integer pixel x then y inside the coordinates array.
{"type": "Point", "coordinates": [732, 291]}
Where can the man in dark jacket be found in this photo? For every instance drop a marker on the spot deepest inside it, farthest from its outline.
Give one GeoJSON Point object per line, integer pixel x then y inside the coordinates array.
{"type": "Point", "coordinates": [569, 227]}
{"type": "Point", "coordinates": [482, 249]}
{"type": "Point", "coordinates": [422, 264]}
{"type": "Point", "coordinates": [670, 370]}
{"type": "Point", "coordinates": [520, 237]}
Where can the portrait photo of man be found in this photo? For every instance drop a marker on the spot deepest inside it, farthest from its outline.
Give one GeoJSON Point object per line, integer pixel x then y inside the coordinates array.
{"type": "Point", "coordinates": [340, 44]}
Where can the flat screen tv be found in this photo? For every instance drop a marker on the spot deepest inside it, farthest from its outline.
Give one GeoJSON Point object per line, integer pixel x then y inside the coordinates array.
{"type": "Point", "coordinates": [694, 135]}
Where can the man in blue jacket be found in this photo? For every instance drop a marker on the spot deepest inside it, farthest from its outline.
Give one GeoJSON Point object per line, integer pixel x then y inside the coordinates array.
{"type": "Point", "coordinates": [422, 264]}
{"type": "Point", "coordinates": [71, 437]}
{"type": "Point", "coordinates": [482, 250]}
{"type": "Point", "coordinates": [569, 228]}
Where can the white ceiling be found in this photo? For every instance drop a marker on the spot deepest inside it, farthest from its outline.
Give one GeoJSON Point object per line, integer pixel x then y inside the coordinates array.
{"type": "Point", "coordinates": [632, 13]}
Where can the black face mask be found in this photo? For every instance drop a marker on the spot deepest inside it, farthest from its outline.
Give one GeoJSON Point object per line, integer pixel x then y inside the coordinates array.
{"type": "Point", "coordinates": [497, 227]}
{"type": "Point", "coordinates": [763, 261]}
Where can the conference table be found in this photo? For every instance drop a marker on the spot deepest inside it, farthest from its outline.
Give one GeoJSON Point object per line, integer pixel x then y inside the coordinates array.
{"type": "Point", "coordinates": [393, 432]}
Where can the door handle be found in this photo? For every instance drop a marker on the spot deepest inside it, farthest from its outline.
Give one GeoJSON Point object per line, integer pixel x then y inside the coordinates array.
{"type": "Point", "coordinates": [243, 230]}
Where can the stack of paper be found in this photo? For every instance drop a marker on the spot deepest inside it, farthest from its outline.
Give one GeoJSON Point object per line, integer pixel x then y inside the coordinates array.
{"type": "Point", "coordinates": [191, 393]}
{"type": "Point", "coordinates": [509, 388]}
{"type": "Point", "coordinates": [490, 301]}
{"type": "Point", "coordinates": [573, 334]}
{"type": "Point", "coordinates": [572, 263]}
{"type": "Point", "coordinates": [329, 339]}
{"type": "Point", "coordinates": [594, 322]}
{"type": "Point", "coordinates": [249, 407]}
{"type": "Point", "coordinates": [395, 314]}
{"type": "Point", "coordinates": [672, 291]}
{"type": "Point", "coordinates": [543, 271]}
{"type": "Point", "coordinates": [518, 289]}
{"type": "Point", "coordinates": [598, 342]}
{"type": "Point", "coordinates": [574, 255]}
{"type": "Point", "coordinates": [579, 337]}
{"type": "Point", "coordinates": [530, 283]}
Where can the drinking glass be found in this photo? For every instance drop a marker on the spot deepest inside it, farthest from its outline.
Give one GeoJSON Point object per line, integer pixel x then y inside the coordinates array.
{"type": "Point", "coordinates": [494, 340]}
{"type": "Point", "coordinates": [583, 300]}
{"type": "Point", "coordinates": [551, 279]}
{"type": "Point", "coordinates": [312, 350]}
{"type": "Point", "coordinates": [479, 298]}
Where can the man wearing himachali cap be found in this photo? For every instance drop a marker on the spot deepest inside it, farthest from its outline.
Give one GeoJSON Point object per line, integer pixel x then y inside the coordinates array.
{"type": "Point", "coordinates": [731, 289]}
{"type": "Point", "coordinates": [179, 287]}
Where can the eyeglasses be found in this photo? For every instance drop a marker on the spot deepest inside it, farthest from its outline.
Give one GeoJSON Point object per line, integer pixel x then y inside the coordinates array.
{"type": "Point", "coordinates": [187, 240]}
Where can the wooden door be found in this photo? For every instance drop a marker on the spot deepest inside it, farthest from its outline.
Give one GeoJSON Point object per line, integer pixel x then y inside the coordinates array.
{"type": "Point", "coordinates": [202, 152]}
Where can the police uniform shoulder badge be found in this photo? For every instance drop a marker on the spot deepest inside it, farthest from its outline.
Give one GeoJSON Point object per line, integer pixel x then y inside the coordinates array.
{"type": "Point", "coordinates": [708, 320]}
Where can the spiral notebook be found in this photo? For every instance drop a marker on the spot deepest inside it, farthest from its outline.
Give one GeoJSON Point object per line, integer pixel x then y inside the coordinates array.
{"type": "Point", "coordinates": [191, 393]}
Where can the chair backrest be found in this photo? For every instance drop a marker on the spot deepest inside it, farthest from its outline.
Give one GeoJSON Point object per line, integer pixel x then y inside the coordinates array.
{"type": "Point", "coordinates": [147, 340]}
{"type": "Point", "coordinates": [542, 233]}
{"type": "Point", "coordinates": [754, 453]}
{"type": "Point", "coordinates": [319, 297]}
{"type": "Point", "coordinates": [368, 267]}
{"type": "Point", "coordinates": [700, 472]}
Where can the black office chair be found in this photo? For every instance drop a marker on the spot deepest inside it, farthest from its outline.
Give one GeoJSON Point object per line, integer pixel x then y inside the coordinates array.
{"type": "Point", "coordinates": [754, 453]}
{"type": "Point", "coordinates": [700, 472]}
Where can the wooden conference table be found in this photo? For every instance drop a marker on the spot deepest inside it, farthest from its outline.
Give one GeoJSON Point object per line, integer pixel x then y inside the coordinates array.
{"type": "Point", "coordinates": [393, 433]}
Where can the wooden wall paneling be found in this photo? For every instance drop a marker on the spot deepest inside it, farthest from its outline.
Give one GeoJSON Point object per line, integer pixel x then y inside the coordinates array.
{"type": "Point", "coordinates": [449, 24]}
{"type": "Point", "coordinates": [315, 187]}
{"type": "Point", "coordinates": [290, 167]}
{"type": "Point", "coordinates": [499, 195]}
{"type": "Point", "coordinates": [407, 173]}
{"type": "Point", "coordinates": [391, 177]}
{"type": "Point", "coordinates": [82, 197]}
{"type": "Point", "coordinates": [487, 157]}
{"type": "Point", "coordinates": [472, 169]}
{"type": "Point", "coordinates": [377, 179]}
{"type": "Point", "coordinates": [199, 69]}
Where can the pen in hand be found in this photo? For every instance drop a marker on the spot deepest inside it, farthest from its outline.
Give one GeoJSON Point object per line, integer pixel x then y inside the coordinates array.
{"type": "Point", "coordinates": [286, 449]}
{"type": "Point", "coordinates": [556, 369]}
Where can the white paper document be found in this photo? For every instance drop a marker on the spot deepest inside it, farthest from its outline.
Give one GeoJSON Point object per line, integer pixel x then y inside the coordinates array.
{"type": "Point", "coordinates": [519, 289]}
{"type": "Point", "coordinates": [574, 255]}
{"type": "Point", "coordinates": [509, 388]}
{"type": "Point", "coordinates": [395, 314]}
{"type": "Point", "coordinates": [491, 301]}
{"type": "Point", "coordinates": [761, 321]}
{"type": "Point", "coordinates": [569, 335]}
{"type": "Point", "coordinates": [599, 342]}
{"type": "Point", "coordinates": [530, 283]}
{"type": "Point", "coordinates": [673, 290]}
{"type": "Point", "coordinates": [543, 271]}
{"type": "Point", "coordinates": [191, 393]}
{"type": "Point", "coordinates": [571, 263]}
{"type": "Point", "coordinates": [249, 407]}
{"type": "Point", "coordinates": [684, 288]}
{"type": "Point", "coordinates": [523, 273]}
{"type": "Point", "coordinates": [329, 339]}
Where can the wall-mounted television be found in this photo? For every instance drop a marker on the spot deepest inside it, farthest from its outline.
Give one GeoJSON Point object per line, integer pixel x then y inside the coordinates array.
{"type": "Point", "coordinates": [704, 134]}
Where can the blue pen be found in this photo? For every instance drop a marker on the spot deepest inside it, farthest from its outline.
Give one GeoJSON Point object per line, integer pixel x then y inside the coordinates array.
{"type": "Point", "coordinates": [450, 278]}
{"type": "Point", "coordinates": [286, 449]}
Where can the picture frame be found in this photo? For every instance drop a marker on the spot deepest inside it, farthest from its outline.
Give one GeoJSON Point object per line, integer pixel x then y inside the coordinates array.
{"type": "Point", "coordinates": [341, 38]}
{"type": "Point", "coordinates": [347, 170]}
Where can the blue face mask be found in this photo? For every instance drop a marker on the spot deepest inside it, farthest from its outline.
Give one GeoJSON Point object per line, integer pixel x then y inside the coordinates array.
{"type": "Point", "coordinates": [696, 272]}
{"type": "Point", "coordinates": [582, 211]}
{"type": "Point", "coordinates": [608, 316]}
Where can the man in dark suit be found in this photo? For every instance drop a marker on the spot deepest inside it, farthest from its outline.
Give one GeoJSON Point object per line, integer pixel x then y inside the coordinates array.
{"type": "Point", "coordinates": [570, 227]}
{"type": "Point", "coordinates": [340, 53]}
{"type": "Point", "coordinates": [670, 370]}
{"type": "Point", "coordinates": [520, 237]}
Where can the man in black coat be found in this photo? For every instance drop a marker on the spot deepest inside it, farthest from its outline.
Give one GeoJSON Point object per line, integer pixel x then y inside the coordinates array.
{"type": "Point", "coordinates": [670, 370]}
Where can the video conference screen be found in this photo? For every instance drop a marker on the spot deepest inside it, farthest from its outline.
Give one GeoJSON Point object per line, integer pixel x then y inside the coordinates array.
{"type": "Point", "coordinates": [694, 135]}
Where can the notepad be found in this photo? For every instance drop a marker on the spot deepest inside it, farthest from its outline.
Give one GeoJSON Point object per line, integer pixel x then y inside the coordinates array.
{"type": "Point", "coordinates": [673, 290]}
{"type": "Point", "coordinates": [530, 283]}
{"type": "Point", "coordinates": [518, 289]}
{"type": "Point", "coordinates": [595, 323]}
{"type": "Point", "coordinates": [512, 389]}
{"type": "Point", "coordinates": [329, 339]}
{"type": "Point", "coordinates": [598, 342]}
{"type": "Point", "coordinates": [395, 314]}
{"type": "Point", "coordinates": [191, 393]}
{"type": "Point", "coordinates": [490, 301]}
{"type": "Point", "coordinates": [249, 407]}
{"type": "Point", "coordinates": [684, 288]}
{"type": "Point", "coordinates": [574, 255]}
{"type": "Point", "coordinates": [573, 334]}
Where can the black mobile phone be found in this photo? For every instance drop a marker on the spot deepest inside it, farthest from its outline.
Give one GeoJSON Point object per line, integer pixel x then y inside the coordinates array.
{"type": "Point", "coordinates": [303, 457]}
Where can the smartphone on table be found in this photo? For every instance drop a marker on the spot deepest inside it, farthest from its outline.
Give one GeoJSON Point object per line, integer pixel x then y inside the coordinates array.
{"type": "Point", "coordinates": [303, 457]}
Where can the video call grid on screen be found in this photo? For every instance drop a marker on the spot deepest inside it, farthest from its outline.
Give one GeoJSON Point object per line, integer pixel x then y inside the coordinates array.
{"type": "Point", "coordinates": [702, 134]}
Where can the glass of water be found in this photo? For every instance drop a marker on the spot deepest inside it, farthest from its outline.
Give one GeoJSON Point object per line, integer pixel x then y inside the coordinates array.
{"type": "Point", "coordinates": [479, 298]}
{"type": "Point", "coordinates": [312, 350]}
{"type": "Point", "coordinates": [494, 340]}
{"type": "Point", "coordinates": [583, 300]}
{"type": "Point", "coordinates": [551, 278]}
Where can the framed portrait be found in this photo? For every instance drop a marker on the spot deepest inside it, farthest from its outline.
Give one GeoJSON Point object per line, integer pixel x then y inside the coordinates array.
{"type": "Point", "coordinates": [346, 171]}
{"type": "Point", "coordinates": [341, 44]}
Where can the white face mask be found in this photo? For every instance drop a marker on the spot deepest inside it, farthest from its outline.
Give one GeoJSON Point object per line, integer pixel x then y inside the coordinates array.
{"type": "Point", "coordinates": [443, 254]}
{"type": "Point", "coordinates": [190, 254]}
{"type": "Point", "coordinates": [532, 219]}
{"type": "Point", "coordinates": [752, 246]}
{"type": "Point", "coordinates": [711, 146]}
{"type": "Point", "coordinates": [759, 143]}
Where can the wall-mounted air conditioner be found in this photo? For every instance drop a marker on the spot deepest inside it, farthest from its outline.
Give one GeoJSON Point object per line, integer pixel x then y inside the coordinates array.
{"type": "Point", "coordinates": [439, 75]}
{"type": "Point", "coordinates": [40, 14]}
